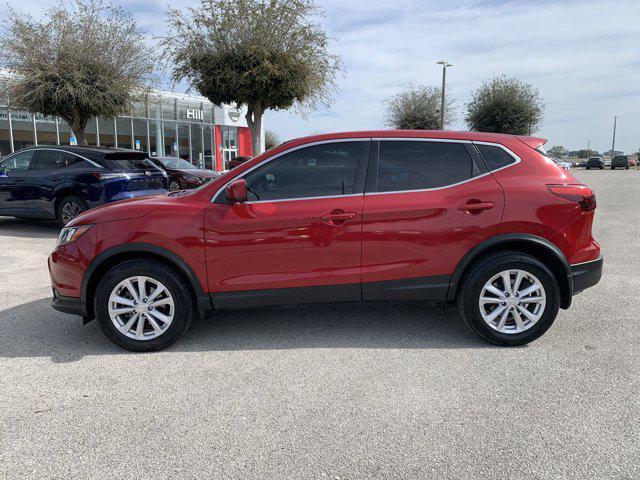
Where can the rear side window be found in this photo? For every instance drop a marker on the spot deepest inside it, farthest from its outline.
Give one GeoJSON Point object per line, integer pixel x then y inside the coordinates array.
{"type": "Point", "coordinates": [415, 165]}
{"type": "Point", "coordinates": [127, 161]}
{"type": "Point", "coordinates": [316, 171]}
{"type": "Point", "coordinates": [495, 157]}
{"type": "Point", "coordinates": [52, 160]}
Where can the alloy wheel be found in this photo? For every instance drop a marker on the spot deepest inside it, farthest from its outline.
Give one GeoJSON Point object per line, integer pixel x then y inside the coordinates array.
{"type": "Point", "coordinates": [141, 308]}
{"type": "Point", "coordinates": [512, 301]}
{"type": "Point", "coordinates": [70, 210]}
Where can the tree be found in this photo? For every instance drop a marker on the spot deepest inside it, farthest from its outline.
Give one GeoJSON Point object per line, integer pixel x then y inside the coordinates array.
{"type": "Point", "coordinates": [557, 151]}
{"type": "Point", "coordinates": [82, 60]}
{"type": "Point", "coordinates": [417, 109]}
{"type": "Point", "coordinates": [271, 139]}
{"type": "Point", "coordinates": [265, 54]}
{"type": "Point", "coordinates": [586, 153]}
{"type": "Point", "coordinates": [505, 105]}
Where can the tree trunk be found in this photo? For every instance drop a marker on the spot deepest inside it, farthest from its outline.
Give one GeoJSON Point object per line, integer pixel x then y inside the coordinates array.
{"type": "Point", "coordinates": [254, 121]}
{"type": "Point", "coordinates": [78, 125]}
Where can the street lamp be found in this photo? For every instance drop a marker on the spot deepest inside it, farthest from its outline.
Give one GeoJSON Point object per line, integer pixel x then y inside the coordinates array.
{"type": "Point", "coordinates": [444, 64]}
{"type": "Point", "coordinates": [613, 142]}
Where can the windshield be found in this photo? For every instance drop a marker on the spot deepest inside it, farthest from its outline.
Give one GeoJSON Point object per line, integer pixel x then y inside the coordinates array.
{"type": "Point", "coordinates": [177, 163]}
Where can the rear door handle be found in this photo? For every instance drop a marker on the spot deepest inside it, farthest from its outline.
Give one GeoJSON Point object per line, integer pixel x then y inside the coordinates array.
{"type": "Point", "coordinates": [338, 217]}
{"type": "Point", "coordinates": [17, 179]}
{"type": "Point", "coordinates": [475, 207]}
{"type": "Point", "coordinates": [56, 178]}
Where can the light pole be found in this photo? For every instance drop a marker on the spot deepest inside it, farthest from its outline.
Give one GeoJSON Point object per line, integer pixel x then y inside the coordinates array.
{"type": "Point", "coordinates": [444, 64]}
{"type": "Point", "coordinates": [613, 142]}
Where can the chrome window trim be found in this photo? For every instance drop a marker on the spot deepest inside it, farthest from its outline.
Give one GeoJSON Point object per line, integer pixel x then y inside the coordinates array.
{"type": "Point", "coordinates": [449, 140]}
{"type": "Point", "coordinates": [299, 147]}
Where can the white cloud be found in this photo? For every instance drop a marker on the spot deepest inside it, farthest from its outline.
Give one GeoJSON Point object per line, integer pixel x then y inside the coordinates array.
{"type": "Point", "coordinates": [582, 55]}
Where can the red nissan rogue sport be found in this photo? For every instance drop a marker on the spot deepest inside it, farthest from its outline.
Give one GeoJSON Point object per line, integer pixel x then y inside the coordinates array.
{"type": "Point", "coordinates": [486, 221]}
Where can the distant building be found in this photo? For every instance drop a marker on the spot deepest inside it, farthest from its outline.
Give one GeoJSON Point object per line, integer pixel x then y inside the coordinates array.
{"type": "Point", "coordinates": [166, 124]}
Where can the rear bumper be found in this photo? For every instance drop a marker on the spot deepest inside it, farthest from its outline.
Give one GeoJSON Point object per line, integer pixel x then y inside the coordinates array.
{"type": "Point", "coordinates": [586, 274]}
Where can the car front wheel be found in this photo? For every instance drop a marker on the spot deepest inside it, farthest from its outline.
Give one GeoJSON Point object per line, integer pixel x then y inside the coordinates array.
{"type": "Point", "coordinates": [143, 305]}
{"type": "Point", "coordinates": [509, 298]}
{"type": "Point", "coordinates": [69, 208]}
{"type": "Point", "coordinates": [174, 186]}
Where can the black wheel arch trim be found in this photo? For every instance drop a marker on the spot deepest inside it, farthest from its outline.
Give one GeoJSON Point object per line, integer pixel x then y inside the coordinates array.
{"type": "Point", "coordinates": [203, 301]}
{"type": "Point", "coordinates": [492, 242]}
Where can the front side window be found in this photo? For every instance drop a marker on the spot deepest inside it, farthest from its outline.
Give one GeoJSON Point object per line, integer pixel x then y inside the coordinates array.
{"type": "Point", "coordinates": [496, 157]}
{"type": "Point", "coordinates": [19, 161]}
{"type": "Point", "coordinates": [52, 160]}
{"type": "Point", "coordinates": [419, 165]}
{"type": "Point", "coordinates": [317, 171]}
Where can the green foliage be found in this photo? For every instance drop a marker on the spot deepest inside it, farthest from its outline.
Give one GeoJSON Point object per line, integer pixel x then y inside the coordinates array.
{"type": "Point", "coordinates": [262, 54]}
{"type": "Point", "coordinates": [271, 139]}
{"type": "Point", "coordinates": [417, 109]}
{"type": "Point", "coordinates": [505, 105]}
{"type": "Point", "coordinates": [557, 151]}
{"type": "Point", "coordinates": [586, 153]}
{"type": "Point", "coordinates": [81, 60]}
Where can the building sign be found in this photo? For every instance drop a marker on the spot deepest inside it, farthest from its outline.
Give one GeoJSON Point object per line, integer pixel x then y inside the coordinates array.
{"type": "Point", "coordinates": [234, 114]}
{"type": "Point", "coordinates": [19, 116]}
{"type": "Point", "coordinates": [195, 114]}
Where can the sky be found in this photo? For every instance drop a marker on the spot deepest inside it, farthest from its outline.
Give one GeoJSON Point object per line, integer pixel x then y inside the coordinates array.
{"type": "Point", "coordinates": [583, 56]}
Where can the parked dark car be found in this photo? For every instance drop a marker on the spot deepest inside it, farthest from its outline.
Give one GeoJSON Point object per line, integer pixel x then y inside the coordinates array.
{"type": "Point", "coordinates": [60, 182]}
{"type": "Point", "coordinates": [237, 161]}
{"type": "Point", "coordinates": [182, 173]}
{"type": "Point", "coordinates": [595, 162]}
{"type": "Point", "coordinates": [620, 161]}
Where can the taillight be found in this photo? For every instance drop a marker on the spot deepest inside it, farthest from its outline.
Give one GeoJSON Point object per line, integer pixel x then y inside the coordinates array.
{"type": "Point", "coordinates": [107, 176]}
{"type": "Point", "coordinates": [580, 194]}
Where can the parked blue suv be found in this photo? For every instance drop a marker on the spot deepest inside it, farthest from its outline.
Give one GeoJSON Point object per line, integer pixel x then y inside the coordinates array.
{"type": "Point", "coordinates": [61, 182]}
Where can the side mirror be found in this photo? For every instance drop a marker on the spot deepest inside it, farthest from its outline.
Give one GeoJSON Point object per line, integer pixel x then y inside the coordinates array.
{"type": "Point", "coordinates": [237, 191]}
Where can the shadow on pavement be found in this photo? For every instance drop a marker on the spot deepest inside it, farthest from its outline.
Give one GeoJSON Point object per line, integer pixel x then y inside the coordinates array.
{"type": "Point", "coordinates": [36, 330]}
{"type": "Point", "coordinates": [15, 227]}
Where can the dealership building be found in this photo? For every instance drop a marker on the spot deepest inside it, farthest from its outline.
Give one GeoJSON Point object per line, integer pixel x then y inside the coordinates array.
{"type": "Point", "coordinates": [163, 124]}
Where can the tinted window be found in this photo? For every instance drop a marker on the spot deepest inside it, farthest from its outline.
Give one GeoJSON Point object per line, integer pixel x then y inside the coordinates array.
{"type": "Point", "coordinates": [52, 160]}
{"type": "Point", "coordinates": [415, 165]}
{"type": "Point", "coordinates": [175, 163]}
{"type": "Point", "coordinates": [19, 161]}
{"type": "Point", "coordinates": [317, 171]}
{"type": "Point", "coordinates": [127, 161]}
{"type": "Point", "coordinates": [495, 157]}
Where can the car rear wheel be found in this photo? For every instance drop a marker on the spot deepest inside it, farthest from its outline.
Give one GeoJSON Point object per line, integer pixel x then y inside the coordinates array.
{"type": "Point", "coordinates": [143, 305]}
{"type": "Point", "coordinates": [69, 208]}
{"type": "Point", "coordinates": [174, 186]}
{"type": "Point", "coordinates": [509, 298]}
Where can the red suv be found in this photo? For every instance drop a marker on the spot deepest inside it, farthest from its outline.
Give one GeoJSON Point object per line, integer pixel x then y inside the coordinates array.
{"type": "Point", "coordinates": [486, 221]}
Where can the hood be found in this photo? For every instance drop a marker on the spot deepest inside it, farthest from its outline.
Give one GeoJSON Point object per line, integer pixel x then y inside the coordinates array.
{"type": "Point", "coordinates": [121, 210]}
{"type": "Point", "coordinates": [198, 173]}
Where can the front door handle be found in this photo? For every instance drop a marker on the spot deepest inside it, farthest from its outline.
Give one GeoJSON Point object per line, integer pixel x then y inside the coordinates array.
{"type": "Point", "coordinates": [338, 217]}
{"type": "Point", "coordinates": [475, 207]}
{"type": "Point", "coordinates": [56, 178]}
{"type": "Point", "coordinates": [17, 179]}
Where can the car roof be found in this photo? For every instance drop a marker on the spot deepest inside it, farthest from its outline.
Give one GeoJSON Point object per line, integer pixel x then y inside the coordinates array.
{"type": "Point", "coordinates": [533, 142]}
{"type": "Point", "coordinates": [83, 149]}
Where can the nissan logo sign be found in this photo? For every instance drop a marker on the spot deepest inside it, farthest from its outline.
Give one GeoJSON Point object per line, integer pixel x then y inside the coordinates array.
{"type": "Point", "coordinates": [234, 114]}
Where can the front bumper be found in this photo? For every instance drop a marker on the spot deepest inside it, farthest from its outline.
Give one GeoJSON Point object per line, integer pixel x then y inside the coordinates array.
{"type": "Point", "coordinates": [70, 305]}
{"type": "Point", "coordinates": [586, 274]}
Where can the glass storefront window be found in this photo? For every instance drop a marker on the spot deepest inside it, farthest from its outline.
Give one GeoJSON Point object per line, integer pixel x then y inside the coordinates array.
{"type": "Point", "coordinates": [229, 145]}
{"type": "Point", "coordinates": [46, 130]}
{"type": "Point", "coordinates": [155, 139]}
{"type": "Point", "coordinates": [183, 141]}
{"type": "Point", "coordinates": [5, 141]}
{"type": "Point", "coordinates": [22, 130]}
{"type": "Point", "coordinates": [123, 126]}
{"type": "Point", "coordinates": [90, 133]}
{"type": "Point", "coordinates": [106, 132]}
{"type": "Point", "coordinates": [208, 147]}
{"type": "Point", "coordinates": [170, 145]}
{"type": "Point", "coordinates": [197, 157]}
{"type": "Point", "coordinates": [140, 134]}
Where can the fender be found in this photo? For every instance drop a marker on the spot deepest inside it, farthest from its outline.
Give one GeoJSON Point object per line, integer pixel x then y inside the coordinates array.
{"type": "Point", "coordinates": [202, 299]}
{"type": "Point", "coordinates": [492, 242]}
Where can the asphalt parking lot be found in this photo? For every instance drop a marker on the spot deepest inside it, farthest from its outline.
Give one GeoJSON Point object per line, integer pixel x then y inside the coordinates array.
{"type": "Point", "coordinates": [387, 391]}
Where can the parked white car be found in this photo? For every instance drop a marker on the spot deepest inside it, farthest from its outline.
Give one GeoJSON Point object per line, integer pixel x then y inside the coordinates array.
{"type": "Point", "coordinates": [563, 164]}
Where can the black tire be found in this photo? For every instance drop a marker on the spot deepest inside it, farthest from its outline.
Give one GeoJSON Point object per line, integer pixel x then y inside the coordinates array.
{"type": "Point", "coordinates": [588, 168]}
{"type": "Point", "coordinates": [481, 272]}
{"type": "Point", "coordinates": [626, 168]}
{"type": "Point", "coordinates": [69, 203]}
{"type": "Point", "coordinates": [184, 310]}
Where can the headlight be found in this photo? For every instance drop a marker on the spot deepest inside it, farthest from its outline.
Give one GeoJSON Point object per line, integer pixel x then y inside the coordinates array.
{"type": "Point", "coordinates": [71, 234]}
